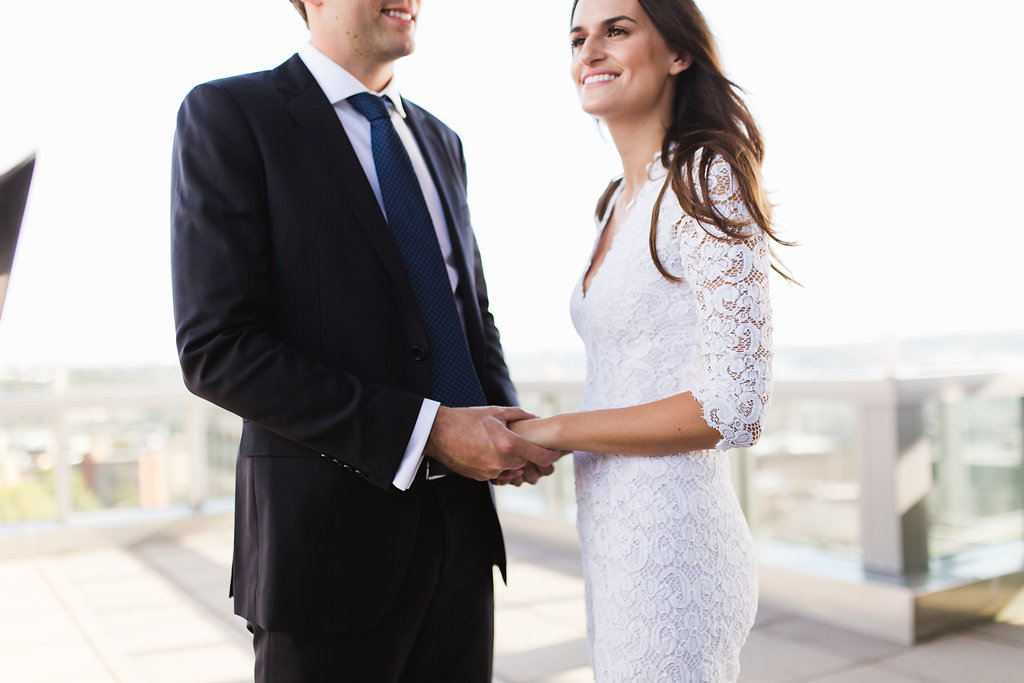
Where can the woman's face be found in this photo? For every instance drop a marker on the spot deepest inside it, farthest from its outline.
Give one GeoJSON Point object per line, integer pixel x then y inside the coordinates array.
{"type": "Point", "coordinates": [620, 63]}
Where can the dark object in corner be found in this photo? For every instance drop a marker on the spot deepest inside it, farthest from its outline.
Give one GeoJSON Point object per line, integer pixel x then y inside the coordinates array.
{"type": "Point", "coordinates": [13, 195]}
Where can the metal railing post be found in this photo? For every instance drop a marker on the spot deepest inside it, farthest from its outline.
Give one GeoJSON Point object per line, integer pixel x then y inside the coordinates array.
{"type": "Point", "coordinates": [62, 445]}
{"type": "Point", "coordinates": [895, 479]}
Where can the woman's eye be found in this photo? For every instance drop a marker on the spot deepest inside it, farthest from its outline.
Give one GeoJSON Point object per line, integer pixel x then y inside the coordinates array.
{"type": "Point", "coordinates": [577, 42]}
{"type": "Point", "coordinates": [617, 31]}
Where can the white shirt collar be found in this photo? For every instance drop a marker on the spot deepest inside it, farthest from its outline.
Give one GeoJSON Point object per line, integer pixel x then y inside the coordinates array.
{"type": "Point", "coordinates": [337, 83]}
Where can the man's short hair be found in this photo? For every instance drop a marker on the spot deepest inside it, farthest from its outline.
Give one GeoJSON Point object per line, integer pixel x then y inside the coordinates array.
{"type": "Point", "coordinates": [301, 8]}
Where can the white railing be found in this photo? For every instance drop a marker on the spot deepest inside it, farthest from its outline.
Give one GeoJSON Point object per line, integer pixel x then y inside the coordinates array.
{"type": "Point", "coordinates": [849, 466]}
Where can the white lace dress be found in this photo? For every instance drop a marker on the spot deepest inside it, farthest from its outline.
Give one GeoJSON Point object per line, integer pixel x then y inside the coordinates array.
{"type": "Point", "coordinates": [671, 578]}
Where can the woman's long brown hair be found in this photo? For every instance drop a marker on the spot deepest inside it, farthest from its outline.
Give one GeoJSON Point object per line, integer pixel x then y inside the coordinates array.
{"type": "Point", "coordinates": [709, 120]}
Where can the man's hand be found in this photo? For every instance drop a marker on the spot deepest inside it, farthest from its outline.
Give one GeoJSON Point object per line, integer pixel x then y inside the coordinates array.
{"type": "Point", "coordinates": [477, 443]}
{"type": "Point", "coordinates": [530, 474]}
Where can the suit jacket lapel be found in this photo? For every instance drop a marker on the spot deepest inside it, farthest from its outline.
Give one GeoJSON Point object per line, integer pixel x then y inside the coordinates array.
{"type": "Point", "coordinates": [316, 118]}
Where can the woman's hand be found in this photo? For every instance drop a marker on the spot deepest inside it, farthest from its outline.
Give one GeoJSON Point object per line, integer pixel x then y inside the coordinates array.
{"type": "Point", "coordinates": [540, 431]}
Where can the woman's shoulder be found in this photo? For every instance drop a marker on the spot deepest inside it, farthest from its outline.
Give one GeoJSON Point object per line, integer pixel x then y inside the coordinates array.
{"type": "Point", "coordinates": [716, 183]}
{"type": "Point", "coordinates": [720, 173]}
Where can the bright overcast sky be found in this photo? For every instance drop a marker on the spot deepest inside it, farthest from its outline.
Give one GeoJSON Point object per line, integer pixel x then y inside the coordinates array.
{"type": "Point", "coordinates": [893, 131]}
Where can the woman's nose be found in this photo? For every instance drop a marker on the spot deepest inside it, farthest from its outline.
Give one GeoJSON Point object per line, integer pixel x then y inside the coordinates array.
{"type": "Point", "coordinates": [589, 52]}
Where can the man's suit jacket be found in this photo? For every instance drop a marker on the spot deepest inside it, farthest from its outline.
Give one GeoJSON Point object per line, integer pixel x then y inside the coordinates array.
{"type": "Point", "coordinates": [293, 311]}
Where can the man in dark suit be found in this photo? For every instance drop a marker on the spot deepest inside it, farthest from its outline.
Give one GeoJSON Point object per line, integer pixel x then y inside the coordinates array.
{"type": "Point", "coordinates": [365, 530]}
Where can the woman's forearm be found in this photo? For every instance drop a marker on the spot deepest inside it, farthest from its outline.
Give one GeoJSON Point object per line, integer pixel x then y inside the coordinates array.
{"type": "Point", "coordinates": [671, 425]}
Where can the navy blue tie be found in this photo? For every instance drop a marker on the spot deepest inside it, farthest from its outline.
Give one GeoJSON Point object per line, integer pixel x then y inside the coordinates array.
{"type": "Point", "coordinates": [453, 379]}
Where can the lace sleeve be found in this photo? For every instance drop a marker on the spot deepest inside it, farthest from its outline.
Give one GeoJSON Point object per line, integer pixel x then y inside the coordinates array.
{"type": "Point", "coordinates": [729, 277]}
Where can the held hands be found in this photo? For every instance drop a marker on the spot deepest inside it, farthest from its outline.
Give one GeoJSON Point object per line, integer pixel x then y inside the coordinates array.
{"type": "Point", "coordinates": [536, 431]}
{"type": "Point", "coordinates": [477, 443]}
{"type": "Point", "coordinates": [529, 474]}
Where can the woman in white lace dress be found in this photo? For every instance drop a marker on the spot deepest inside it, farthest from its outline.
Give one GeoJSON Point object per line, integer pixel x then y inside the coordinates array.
{"type": "Point", "coordinates": [674, 313]}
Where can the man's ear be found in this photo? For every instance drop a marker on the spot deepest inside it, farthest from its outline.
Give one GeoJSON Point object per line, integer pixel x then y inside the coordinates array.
{"type": "Point", "coordinates": [681, 63]}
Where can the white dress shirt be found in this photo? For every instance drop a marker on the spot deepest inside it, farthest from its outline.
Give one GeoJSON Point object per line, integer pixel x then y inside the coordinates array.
{"type": "Point", "coordinates": [338, 85]}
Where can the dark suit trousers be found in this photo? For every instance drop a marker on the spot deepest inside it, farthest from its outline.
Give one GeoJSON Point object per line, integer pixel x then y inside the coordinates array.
{"type": "Point", "coordinates": [440, 627]}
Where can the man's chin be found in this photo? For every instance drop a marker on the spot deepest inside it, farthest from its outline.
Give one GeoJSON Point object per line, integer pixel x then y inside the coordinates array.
{"type": "Point", "coordinates": [406, 49]}
{"type": "Point", "coordinates": [397, 48]}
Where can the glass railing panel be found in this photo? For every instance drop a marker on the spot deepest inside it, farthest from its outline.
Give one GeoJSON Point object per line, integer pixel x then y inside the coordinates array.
{"type": "Point", "coordinates": [128, 457]}
{"type": "Point", "coordinates": [978, 493]}
{"type": "Point", "coordinates": [28, 452]}
{"type": "Point", "coordinates": [222, 434]}
{"type": "Point", "coordinates": [799, 484]}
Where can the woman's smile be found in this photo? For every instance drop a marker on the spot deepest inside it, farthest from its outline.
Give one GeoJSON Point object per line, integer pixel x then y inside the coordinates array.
{"type": "Point", "coordinates": [598, 78]}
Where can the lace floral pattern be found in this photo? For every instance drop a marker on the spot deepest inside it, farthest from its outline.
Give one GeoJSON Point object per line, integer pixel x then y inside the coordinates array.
{"type": "Point", "coordinates": [671, 578]}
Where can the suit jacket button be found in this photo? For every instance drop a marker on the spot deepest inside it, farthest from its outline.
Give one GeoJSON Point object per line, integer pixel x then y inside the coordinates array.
{"type": "Point", "coordinates": [417, 353]}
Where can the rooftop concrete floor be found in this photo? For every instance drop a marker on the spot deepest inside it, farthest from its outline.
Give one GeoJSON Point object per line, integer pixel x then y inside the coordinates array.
{"type": "Point", "coordinates": [157, 611]}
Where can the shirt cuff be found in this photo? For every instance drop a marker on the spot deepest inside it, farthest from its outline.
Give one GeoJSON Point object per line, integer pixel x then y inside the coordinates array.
{"type": "Point", "coordinates": [417, 442]}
